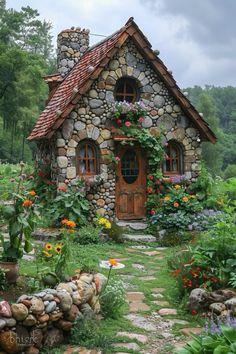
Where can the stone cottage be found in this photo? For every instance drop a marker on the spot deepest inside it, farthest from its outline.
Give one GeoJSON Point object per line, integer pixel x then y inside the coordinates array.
{"type": "Point", "coordinates": [75, 129]}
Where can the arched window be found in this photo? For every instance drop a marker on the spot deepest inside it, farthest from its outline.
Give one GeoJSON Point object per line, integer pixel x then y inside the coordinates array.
{"type": "Point", "coordinates": [173, 163]}
{"type": "Point", "coordinates": [126, 90]}
{"type": "Point", "coordinates": [87, 158]}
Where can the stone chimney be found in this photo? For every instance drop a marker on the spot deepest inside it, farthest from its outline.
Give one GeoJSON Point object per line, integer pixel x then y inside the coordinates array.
{"type": "Point", "coordinates": [71, 45]}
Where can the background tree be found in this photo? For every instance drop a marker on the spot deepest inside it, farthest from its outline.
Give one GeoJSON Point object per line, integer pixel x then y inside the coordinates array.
{"type": "Point", "coordinates": [26, 54]}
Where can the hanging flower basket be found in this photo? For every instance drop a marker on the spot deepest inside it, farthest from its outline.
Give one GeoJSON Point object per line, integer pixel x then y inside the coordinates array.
{"type": "Point", "coordinates": [126, 114]}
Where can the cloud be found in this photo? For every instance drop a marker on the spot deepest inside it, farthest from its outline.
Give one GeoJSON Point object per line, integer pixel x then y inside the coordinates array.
{"type": "Point", "coordinates": [196, 39]}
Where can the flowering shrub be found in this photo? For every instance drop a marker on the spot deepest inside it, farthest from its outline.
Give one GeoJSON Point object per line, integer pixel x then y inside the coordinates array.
{"type": "Point", "coordinates": [21, 218]}
{"type": "Point", "coordinates": [171, 206]}
{"type": "Point", "coordinates": [113, 299]}
{"type": "Point", "coordinates": [126, 113]}
{"type": "Point", "coordinates": [70, 203]}
{"type": "Point", "coordinates": [220, 339]}
{"type": "Point", "coordinates": [57, 256]}
{"type": "Point", "coordinates": [191, 274]}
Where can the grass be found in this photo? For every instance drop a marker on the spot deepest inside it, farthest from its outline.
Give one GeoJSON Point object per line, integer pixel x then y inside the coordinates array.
{"type": "Point", "coordinates": [91, 255]}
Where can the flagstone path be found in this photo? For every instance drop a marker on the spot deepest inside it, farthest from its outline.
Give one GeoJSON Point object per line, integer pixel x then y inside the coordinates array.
{"type": "Point", "coordinates": [154, 334]}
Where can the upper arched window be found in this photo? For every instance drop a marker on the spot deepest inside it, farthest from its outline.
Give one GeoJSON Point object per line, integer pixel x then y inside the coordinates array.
{"type": "Point", "coordinates": [126, 90]}
{"type": "Point", "coordinates": [173, 163]}
{"type": "Point", "coordinates": [87, 158]}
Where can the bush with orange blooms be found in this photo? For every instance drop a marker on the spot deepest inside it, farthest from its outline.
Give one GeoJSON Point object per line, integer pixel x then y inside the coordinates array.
{"type": "Point", "coordinates": [171, 206]}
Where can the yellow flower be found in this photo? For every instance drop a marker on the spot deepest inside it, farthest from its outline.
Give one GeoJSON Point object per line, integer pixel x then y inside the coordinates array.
{"type": "Point", "coordinates": [107, 225]}
{"type": "Point", "coordinates": [46, 253]}
{"type": "Point", "coordinates": [57, 248]}
{"type": "Point", "coordinates": [48, 246]}
{"type": "Point", "coordinates": [185, 199]}
{"type": "Point", "coordinates": [177, 186]}
{"type": "Point", "coordinates": [166, 198]}
{"type": "Point", "coordinates": [113, 262]}
{"type": "Point", "coordinates": [102, 221]}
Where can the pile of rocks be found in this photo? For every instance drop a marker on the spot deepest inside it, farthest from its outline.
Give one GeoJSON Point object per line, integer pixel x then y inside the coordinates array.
{"type": "Point", "coordinates": [43, 319]}
{"type": "Point", "coordinates": [221, 303]}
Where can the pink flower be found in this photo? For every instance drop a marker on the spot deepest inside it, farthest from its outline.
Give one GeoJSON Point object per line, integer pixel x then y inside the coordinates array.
{"type": "Point", "coordinates": [117, 158]}
{"type": "Point", "coordinates": [119, 121]}
{"type": "Point", "coordinates": [127, 124]}
{"type": "Point", "coordinates": [141, 120]}
{"type": "Point", "coordinates": [152, 212]}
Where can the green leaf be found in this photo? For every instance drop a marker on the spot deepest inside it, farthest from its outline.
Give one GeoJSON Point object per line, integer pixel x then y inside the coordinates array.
{"type": "Point", "coordinates": [221, 349]}
{"type": "Point", "coordinates": [14, 229]}
{"type": "Point", "coordinates": [28, 246]}
{"type": "Point", "coordinates": [229, 333]}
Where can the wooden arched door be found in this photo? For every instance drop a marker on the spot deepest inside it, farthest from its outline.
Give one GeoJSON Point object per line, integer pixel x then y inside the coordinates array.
{"type": "Point", "coordinates": [131, 183]}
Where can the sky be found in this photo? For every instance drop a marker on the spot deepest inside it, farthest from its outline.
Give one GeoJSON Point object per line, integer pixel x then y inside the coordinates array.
{"type": "Point", "coordinates": [196, 38]}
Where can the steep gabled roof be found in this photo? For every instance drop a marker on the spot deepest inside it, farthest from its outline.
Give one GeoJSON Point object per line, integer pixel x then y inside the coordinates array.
{"type": "Point", "coordinates": [80, 78]}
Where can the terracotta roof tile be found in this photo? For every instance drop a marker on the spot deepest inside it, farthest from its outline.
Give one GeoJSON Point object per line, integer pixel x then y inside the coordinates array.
{"type": "Point", "coordinates": [88, 68]}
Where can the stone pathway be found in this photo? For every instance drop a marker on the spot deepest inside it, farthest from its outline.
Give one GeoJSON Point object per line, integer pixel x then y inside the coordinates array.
{"type": "Point", "coordinates": [157, 335]}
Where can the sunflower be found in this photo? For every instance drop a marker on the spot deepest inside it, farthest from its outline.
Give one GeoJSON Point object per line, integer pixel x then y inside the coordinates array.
{"type": "Point", "coordinates": [48, 247]}
{"type": "Point", "coordinates": [57, 248]}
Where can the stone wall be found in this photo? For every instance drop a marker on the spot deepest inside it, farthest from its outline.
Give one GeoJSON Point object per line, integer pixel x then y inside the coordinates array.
{"type": "Point", "coordinates": [44, 319]}
{"type": "Point", "coordinates": [91, 119]}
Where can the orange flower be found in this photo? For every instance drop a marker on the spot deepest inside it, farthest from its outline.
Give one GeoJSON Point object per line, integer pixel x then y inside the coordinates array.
{"type": "Point", "coordinates": [166, 198]}
{"type": "Point", "coordinates": [32, 193]}
{"type": "Point", "coordinates": [64, 221]}
{"type": "Point", "coordinates": [113, 262]}
{"type": "Point", "coordinates": [70, 223]}
{"type": "Point", "coordinates": [27, 202]}
{"type": "Point", "coordinates": [176, 205]}
{"type": "Point", "coordinates": [185, 199]}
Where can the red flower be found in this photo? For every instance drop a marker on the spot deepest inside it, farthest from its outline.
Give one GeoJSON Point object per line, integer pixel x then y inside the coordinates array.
{"type": "Point", "coordinates": [152, 212]}
{"type": "Point", "coordinates": [158, 182]}
{"type": "Point", "coordinates": [194, 312]}
{"type": "Point", "coordinates": [119, 121]}
{"type": "Point", "coordinates": [149, 190]}
{"type": "Point", "coordinates": [41, 173]}
{"type": "Point", "coordinates": [151, 178]}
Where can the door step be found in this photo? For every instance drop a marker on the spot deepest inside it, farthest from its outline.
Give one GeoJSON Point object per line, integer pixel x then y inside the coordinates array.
{"type": "Point", "coordinates": [139, 238]}
{"type": "Point", "coordinates": [133, 225]}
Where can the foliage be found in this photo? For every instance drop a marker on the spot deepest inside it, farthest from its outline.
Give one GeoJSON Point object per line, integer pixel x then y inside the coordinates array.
{"type": "Point", "coordinates": [21, 218]}
{"type": "Point", "coordinates": [210, 263]}
{"type": "Point", "coordinates": [128, 119]}
{"type": "Point", "coordinates": [25, 55]}
{"type": "Point", "coordinates": [41, 181]}
{"type": "Point", "coordinates": [88, 333]}
{"type": "Point", "coordinates": [115, 233]}
{"type": "Point", "coordinates": [112, 299]}
{"type": "Point", "coordinates": [216, 250]}
{"type": "Point", "coordinates": [3, 282]}
{"type": "Point", "coordinates": [57, 257]}
{"type": "Point", "coordinates": [222, 341]}
{"type": "Point", "coordinates": [126, 113]}
{"type": "Point", "coordinates": [173, 208]}
{"type": "Point", "coordinates": [190, 276]}
{"type": "Point", "coordinates": [174, 238]}
{"type": "Point", "coordinates": [70, 203]}
{"type": "Point", "coordinates": [218, 106]}
{"type": "Point", "coordinates": [10, 175]}
{"type": "Point", "coordinates": [87, 235]}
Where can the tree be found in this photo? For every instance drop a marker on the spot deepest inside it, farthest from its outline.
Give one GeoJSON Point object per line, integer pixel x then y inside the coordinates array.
{"type": "Point", "coordinates": [25, 55]}
{"type": "Point", "coordinates": [212, 154]}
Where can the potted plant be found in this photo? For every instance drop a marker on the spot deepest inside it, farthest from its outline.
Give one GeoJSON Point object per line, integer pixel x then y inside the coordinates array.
{"type": "Point", "coordinates": [20, 217]}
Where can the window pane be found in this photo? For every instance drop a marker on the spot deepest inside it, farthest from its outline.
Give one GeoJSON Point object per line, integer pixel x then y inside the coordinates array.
{"type": "Point", "coordinates": [82, 151]}
{"type": "Point", "coordinates": [91, 166]}
{"type": "Point", "coordinates": [90, 152]}
{"type": "Point", "coordinates": [129, 88]}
